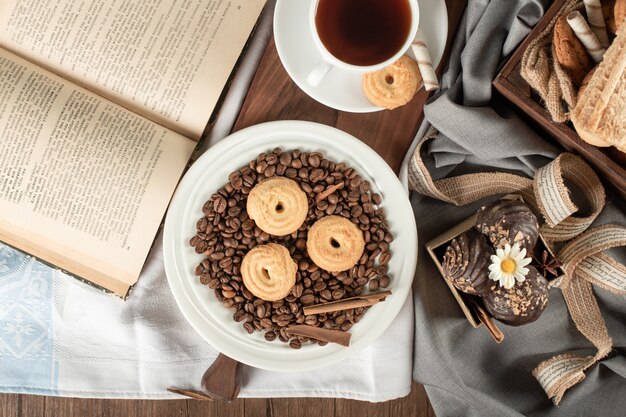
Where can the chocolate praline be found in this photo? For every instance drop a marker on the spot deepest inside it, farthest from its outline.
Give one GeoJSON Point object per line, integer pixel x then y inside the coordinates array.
{"type": "Point", "coordinates": [508, 221]}
{"type": "Point", "coordinates": [521, 304]}
{"type": "Point", "coordinates": [466, 262]}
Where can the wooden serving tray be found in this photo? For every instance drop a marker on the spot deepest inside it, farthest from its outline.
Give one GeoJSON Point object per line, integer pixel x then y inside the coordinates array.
{"type": "Point", "coordinates": [274, 96]}
{"type": "Point", "coordinates": [608, 162]}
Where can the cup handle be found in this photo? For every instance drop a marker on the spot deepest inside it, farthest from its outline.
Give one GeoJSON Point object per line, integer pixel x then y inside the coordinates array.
{"type": "Point", "coordinates": [318, 73]}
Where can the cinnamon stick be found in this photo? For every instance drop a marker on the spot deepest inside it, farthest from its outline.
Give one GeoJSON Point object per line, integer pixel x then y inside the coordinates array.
{"type": "Point", "coordinates": [324, 194]}
{"type": "Point", "coordinates": [347, 304]}
{"type": "Point", "coordinates": [487, 320]}
{"type": "Point", "coordinates": [196, 395]}
{"type": "Point", "coordinates": [318, 333]}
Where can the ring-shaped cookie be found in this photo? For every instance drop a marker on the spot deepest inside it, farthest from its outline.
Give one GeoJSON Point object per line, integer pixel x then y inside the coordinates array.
{"type": "Point", "coordinates": [278, 206]}
{"type": "Point", "coordinates": [334, 243]}
{"type": "Point", "coordinates": [269, 272]}
{"type": "Point", "coordinates": [393, 86]}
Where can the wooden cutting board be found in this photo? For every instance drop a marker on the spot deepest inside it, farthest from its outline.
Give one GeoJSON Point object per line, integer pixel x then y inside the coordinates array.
{"type": "Point", "coordinates": [274, 96]}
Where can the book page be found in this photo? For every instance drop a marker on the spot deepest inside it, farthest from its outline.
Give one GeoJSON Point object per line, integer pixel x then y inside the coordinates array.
{"type": "Point", "coordinates": [84, 182]}
{"type": "Point", "coordinates": [167, 60]}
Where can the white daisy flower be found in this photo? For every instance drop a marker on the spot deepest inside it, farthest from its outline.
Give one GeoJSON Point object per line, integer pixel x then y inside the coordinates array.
{"type": "Point", "coordinates": [507, 265]}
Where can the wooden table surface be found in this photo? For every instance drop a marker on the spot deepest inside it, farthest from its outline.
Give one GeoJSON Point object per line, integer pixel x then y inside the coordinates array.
{"type": "Point", "coordinates": [274, 96]}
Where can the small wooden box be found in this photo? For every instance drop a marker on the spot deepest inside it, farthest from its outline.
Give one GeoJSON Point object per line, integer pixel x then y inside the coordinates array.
{"type": "Point", "coordinates": [608, 162]}
{"type": "Point", "coordinates": [472, 305]}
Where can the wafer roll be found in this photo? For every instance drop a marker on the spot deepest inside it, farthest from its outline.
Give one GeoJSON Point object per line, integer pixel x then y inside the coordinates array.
{"type": "Point", "coordinates": [424, 62]}
{"type": "Point", "coordinates": [585, 34]}
{"type": "Point", "coordinates": [596, 21]}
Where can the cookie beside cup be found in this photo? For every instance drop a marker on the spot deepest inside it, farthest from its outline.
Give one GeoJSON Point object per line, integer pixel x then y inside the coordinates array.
{"type": "Point", "coordinates": [393, 86]}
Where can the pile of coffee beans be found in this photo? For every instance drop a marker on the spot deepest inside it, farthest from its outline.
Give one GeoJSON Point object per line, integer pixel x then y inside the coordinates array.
{"type": "Point", "coordinates": [226, 233]}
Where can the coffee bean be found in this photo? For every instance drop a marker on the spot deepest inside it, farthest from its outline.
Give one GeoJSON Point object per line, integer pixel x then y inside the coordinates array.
{"type": "Point", "coordinates": [355, 182]}
{"type": "Point", "coordinates": [249, 327]}
{"type": "Point", "coordinates": [384, 281]}
{"type": "Point", "coordinates": [271, 159]}
{"type": "Point", "coordinates": [307, 299]}
{"type": "Point", "coordinates": [269, 171]}
{"type": "Point", "coordinates": [219, 204]}
{"type": "Point", "coordinates": [247, 294]}
{"type": "Point", "coordinates": [376, 198]}
{"type": "Point", "coordinates": [295, 344]}
{"type": "Point", "coordinates": [238, 316]}
{"type": "Point", "coordinates": [248, 224]}
{"type": "Point", "coordinates": [293, 307]}
{"type": "Point", "coordinates": [270, 336]}
{"type": "Point", "coordinates": [234, 211]}
{"type": "Point", "coordinates": [317, 175]}
{"type": "Point", "coordinates": [285, 158]}
{"type": "Point", "coordinates": [384, 258]}
{"type": "Point", "coordinates": [291, 172]}
{"type": "Point", "coordinates": [297, 290]}
{"type": "Point", "coordinates": [228, 294]}
{"type": "Point", "coordinates": [296, 163]}
{"type": "Point", "coordinates": [373, 284]}
{"type": "Point", "coordinates": [283, 320]}
{"type": "Point", "coordinates": [338, 294]}
{"type": "Point", "coordinates": [314, 160]}
{"type": "Point", "coordinates": [230, 242]}
{"type": "Point", "coordinates": [216, 256]}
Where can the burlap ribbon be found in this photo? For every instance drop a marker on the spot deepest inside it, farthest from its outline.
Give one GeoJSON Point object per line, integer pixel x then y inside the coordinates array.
{"type": "Point", "coordinates": [583, 259]}
{"type": "Point", "coordinates": [542, 70]}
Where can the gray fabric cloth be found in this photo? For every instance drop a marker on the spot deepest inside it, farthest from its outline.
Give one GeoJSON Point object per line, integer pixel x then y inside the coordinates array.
{"type": "Point", "coordinates": [488, 32]}
{"type": "Point", "coordinates": [465, 372]}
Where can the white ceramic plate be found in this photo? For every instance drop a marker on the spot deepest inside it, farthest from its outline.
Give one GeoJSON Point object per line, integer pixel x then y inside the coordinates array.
{"type": "Point", "coordinates": [210, 172]}
{"type": "Point", "coordinates": [341, 89]}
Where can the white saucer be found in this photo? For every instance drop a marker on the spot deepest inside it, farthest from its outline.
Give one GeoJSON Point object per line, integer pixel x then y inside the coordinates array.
{"type": "Point", "coordinates": [341, 89]}
{"type": "Point", "coordinates": [199, 305]}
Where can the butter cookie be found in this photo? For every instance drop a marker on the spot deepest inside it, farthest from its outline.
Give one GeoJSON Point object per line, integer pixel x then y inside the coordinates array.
{"type": "Point", "coordinates": [269, 272]}
{"type": "Point", "coordinates": [393, 86]}
{"type": "Point", "coordinates": [278, 206]}
{"type": "Point", "coordinates": [334, 243]}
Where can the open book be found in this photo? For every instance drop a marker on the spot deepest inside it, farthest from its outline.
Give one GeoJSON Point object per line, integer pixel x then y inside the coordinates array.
{"type": "Point", "coordinates": [101, 106]}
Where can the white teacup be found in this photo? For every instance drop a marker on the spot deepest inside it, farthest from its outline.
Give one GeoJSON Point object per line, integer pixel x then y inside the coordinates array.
{"type": "Point", "coordinates": [330, 61]}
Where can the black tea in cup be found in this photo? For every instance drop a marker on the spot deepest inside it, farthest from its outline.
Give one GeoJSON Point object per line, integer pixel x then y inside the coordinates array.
{"type": "Point", "coordinates": [363, 32]}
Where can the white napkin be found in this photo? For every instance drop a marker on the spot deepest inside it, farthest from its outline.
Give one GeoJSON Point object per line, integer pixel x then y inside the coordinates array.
{"type": "Point", "coordinates": [105, 347]}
